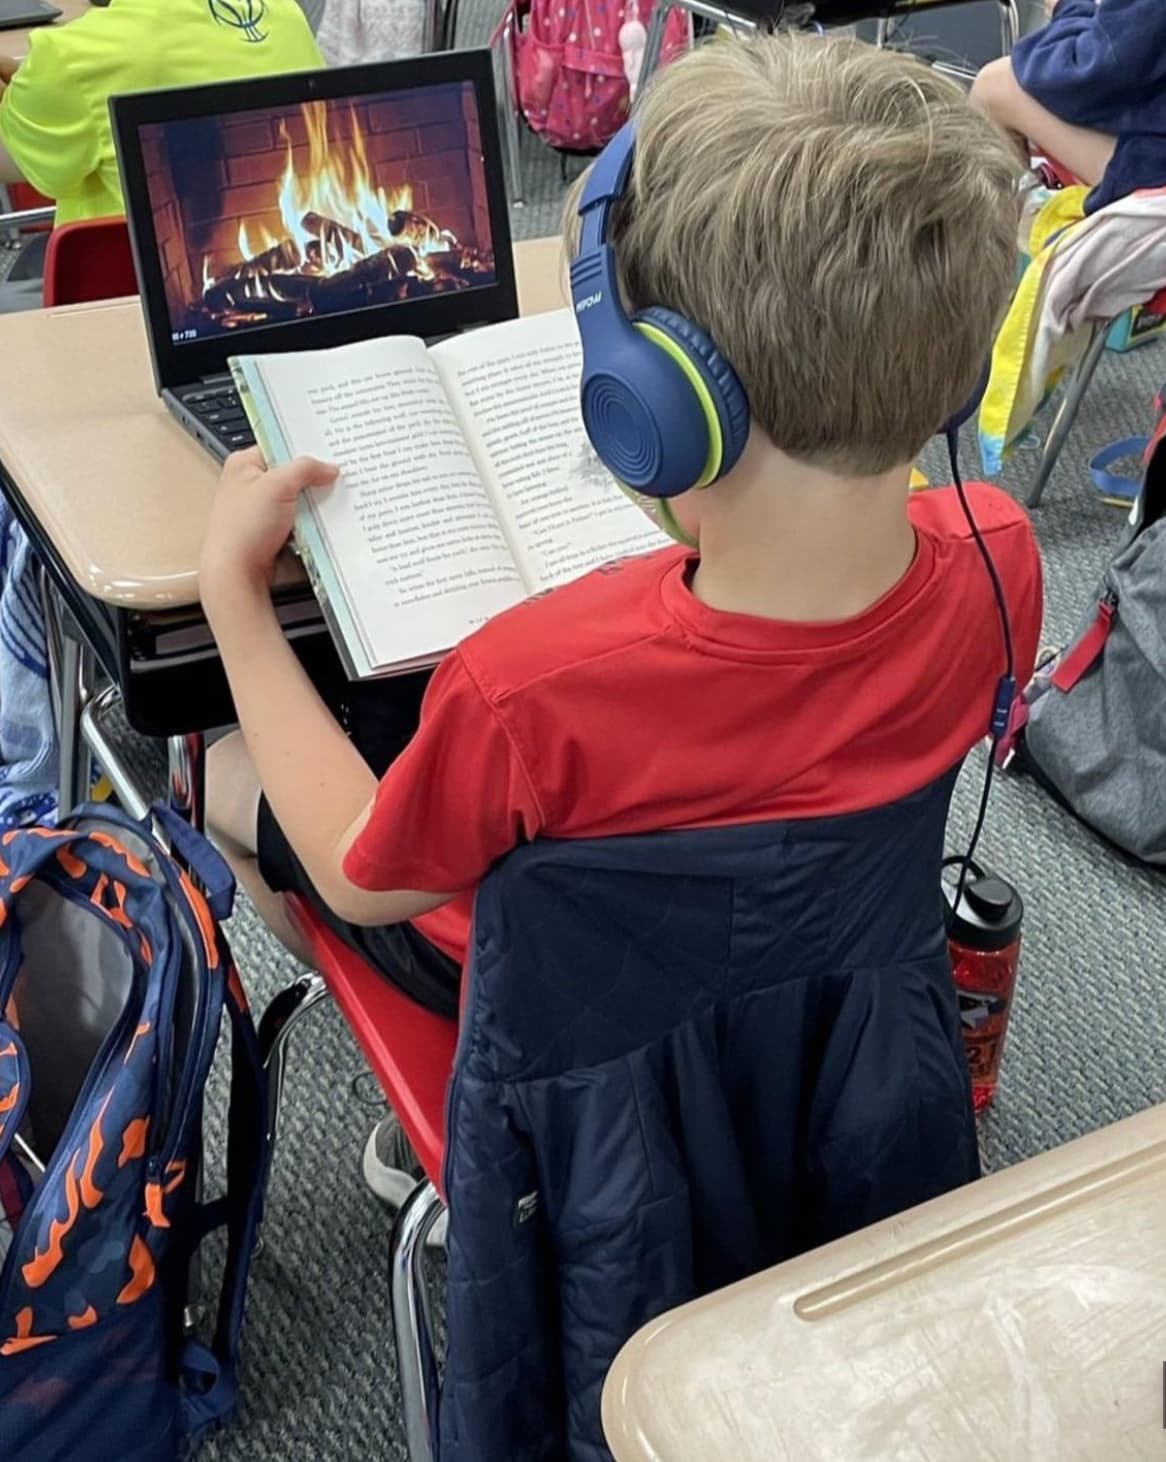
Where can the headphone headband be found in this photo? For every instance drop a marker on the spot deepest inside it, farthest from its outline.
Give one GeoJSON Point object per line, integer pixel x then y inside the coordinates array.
{"type": "Point", "coordinates": [604, 187]}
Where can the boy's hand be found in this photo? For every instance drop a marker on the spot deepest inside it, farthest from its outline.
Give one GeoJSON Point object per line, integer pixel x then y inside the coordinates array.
{"type": "Point", "coordinates": [8, 69]}
{"type": "Point", "coordinates": [252, 518]}
{"type": "Point", "coordinates": [1050, 6]}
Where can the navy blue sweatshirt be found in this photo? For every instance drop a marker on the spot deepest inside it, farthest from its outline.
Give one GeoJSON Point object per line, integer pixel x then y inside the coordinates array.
{"type": "Point", "coordinates": [1104, 67]}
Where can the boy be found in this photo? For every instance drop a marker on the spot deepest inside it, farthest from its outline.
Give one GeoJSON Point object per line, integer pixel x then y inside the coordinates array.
{"type": "Point", "coordinates": [54, 107]}
{"type": "Point", "coordinates": [842, 223]}
{"type": "Point", "coordinates": [1089, 91]}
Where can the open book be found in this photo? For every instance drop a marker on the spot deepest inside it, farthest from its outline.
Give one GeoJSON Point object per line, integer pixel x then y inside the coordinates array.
{"type": "Point", "coordinates": [467, 483]}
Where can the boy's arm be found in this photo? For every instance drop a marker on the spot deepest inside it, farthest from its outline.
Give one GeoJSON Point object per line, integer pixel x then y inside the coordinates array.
{"type": "Point", "coordinates": [47, 132]}
{"type": "Point", "coordinates": [318, 785]}
{"type": "Point", "coordinates": [1083, 64]}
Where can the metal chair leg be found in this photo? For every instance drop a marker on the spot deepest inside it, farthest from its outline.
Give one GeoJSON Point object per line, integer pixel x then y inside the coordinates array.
{"type": "Point", "coordinates": [125, 789]}
{"type": "Point", "coordinates": [654, 44]}
{"type": "Point", "coordinates": [283, 1014]}
{"type": "Point", "coordinates": [412, 1332]}
{"type": "Point", "coordinates": [1009, 26]}
{"type": "Point", "coordinates": [1067, 414]}
{"type": "Point", "coordinates": [76, 685]}
{"type": "Point", "coordinates": [508, 101]}
{"type": "Point", "coordinates": [72, 668]}
{"type": "Point", "coordinates": [186, 756]}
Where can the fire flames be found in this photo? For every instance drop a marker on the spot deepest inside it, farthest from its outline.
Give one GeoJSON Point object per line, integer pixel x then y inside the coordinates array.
{"type": "Point", "coordinates": [347, 241]}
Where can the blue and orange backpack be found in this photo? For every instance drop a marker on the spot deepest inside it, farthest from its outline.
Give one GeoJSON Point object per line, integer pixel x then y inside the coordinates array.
{"type": "Point", "coordinates": [114, 975]}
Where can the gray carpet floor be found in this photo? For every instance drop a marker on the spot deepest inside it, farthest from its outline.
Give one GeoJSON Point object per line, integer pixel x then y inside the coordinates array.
{"type": "Point", "coordinates": [1087, 1046]}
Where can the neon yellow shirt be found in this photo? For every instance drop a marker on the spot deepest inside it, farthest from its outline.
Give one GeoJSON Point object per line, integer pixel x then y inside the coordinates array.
{"type": "Point", "coordinates": [54, 117]}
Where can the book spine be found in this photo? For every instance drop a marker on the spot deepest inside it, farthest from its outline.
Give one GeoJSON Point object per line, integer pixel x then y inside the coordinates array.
{"type": "Point", "coordinates": [253, 398]}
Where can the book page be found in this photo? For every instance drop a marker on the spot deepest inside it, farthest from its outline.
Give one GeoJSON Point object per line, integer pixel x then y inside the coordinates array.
{"type": "Point", "coordinates": [408, 525]}
{"type": "Point", "coordinates": [516, 387]}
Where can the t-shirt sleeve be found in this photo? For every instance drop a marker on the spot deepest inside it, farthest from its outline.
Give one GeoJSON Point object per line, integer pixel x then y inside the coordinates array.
{"type": "Point", "coordinates": [46, 121]}
{"type": "Point", "coordinates": [456, 800]}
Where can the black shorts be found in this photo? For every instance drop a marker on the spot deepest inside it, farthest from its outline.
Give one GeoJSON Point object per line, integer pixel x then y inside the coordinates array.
{"type": "Point", "coordinates": [380, 717]}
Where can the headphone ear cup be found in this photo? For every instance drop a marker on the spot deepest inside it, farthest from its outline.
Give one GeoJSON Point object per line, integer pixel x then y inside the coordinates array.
{"type": "Point", "coordinates": [639, 410]}
{"type": "Point", "coordinates": [725, 393]}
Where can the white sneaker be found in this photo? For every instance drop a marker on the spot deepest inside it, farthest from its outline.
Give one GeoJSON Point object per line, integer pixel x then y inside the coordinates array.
{"type": "Point", "coordinates": [392, 1171]}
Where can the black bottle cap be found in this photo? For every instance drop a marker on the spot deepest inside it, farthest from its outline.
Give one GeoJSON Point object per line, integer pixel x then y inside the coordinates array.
{"type": "Point", "coordinates": [989, 914]}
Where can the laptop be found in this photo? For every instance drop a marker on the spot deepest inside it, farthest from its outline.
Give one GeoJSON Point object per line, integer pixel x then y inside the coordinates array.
{"type": "Point", "coordinates": [311, 210]}
{"type": "Point", "coordinates": [24, 14]}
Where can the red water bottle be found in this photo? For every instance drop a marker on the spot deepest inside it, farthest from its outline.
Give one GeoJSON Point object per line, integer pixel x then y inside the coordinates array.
{"type": "Point", "coordinates": [983, 938]}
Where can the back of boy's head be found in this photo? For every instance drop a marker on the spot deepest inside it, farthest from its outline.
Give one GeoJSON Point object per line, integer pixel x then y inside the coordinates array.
{"type": "Point", "coordinates": [839, 220]}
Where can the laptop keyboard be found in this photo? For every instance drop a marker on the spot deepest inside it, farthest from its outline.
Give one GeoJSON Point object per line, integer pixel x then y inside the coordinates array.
{"type": "Point", "coordinates": [218, 408]}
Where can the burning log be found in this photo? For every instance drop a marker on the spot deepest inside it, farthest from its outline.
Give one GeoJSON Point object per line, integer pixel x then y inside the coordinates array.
{"type": "Point", "coordinates": [420, 231]}
{"type": "Point", "coordinates": [365, 279]}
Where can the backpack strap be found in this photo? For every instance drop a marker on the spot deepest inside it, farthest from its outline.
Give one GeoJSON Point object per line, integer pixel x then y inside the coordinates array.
{"type": "Point", "coordinates": [1076, 661]}
{"type": "Point", "coordinates": [1113, 487]}
{"type": "Point", "coordinates": [210, 1373]}
{"type": "Point", "coordinates": [203, 861]}
{"type": "Point", "coordinates": [14, 1084]}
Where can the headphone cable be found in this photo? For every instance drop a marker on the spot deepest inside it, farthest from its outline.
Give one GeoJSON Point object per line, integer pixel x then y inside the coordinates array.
{"type": "Point", "coordinates": [1006, 686]}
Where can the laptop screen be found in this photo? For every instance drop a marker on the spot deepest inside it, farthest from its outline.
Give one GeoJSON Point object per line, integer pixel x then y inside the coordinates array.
{"type": "Point", "coordinates": [282, 214]}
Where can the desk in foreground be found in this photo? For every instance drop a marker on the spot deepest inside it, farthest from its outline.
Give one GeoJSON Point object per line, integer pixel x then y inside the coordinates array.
{"type": "Point", "coordinates": [1021, 1318]}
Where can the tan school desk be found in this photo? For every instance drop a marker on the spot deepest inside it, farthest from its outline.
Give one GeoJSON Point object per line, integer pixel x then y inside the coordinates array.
{"type": "Point", "coordinates": [1020, 1319]}
{"type": "Point", "coordinates": [115, 496]}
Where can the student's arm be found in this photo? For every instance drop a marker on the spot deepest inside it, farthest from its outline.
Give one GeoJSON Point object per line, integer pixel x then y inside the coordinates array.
{"type": "Point", "coordinates": [318, 785]}
{"type": "Point", "coordinates": [47, 131]}
{"type": "Point", "coordinates": [1090, 63]}
{"type": "Point", "coordinates": [457, 799]}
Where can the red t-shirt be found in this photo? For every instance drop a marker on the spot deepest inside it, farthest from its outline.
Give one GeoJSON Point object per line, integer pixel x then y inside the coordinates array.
{"type": "Point", "coordinates": [621, 704]}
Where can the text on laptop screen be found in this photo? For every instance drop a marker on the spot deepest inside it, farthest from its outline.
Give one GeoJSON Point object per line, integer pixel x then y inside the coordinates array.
{"type": "Point", "coordinates": [267, 217]}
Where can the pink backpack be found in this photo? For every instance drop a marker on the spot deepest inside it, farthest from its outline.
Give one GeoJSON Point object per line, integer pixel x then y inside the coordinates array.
{"type": "Point", "coordinates": [569, 69]}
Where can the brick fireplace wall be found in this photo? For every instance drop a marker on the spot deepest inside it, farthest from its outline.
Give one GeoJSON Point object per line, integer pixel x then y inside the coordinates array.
{"type": "Point", "coordinates": [477, 171]}
{"type": "Point", "coordinates": [168, 226]}
{"type": "Point", "coordinates": [429, 140]}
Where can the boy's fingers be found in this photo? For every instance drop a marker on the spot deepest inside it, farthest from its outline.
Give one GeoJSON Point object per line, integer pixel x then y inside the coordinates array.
{"type": "Point", "coordinates": [252, 457]}
{"type": "Point", "coordinates": [302, 473]}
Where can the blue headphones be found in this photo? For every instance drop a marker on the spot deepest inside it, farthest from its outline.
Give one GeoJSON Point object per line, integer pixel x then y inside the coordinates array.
{"type": "Point", "coordinates": [663, 408]}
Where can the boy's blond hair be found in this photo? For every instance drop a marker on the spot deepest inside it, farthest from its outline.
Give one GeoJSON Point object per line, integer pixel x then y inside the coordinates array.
{"type": "Point", "coordinates": [839, 220]}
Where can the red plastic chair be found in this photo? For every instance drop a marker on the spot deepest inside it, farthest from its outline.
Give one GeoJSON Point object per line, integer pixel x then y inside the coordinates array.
{"type": "Point", "coordinates": [24, 196]}
{"type": "Point", "coordinates": [1082, 377]}
{"type": "Point", "coordinates": [89, 260]}
{"type": "Point", "coordinates": [410, 1052]}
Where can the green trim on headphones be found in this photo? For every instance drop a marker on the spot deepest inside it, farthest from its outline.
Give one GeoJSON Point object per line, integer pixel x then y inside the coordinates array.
{"type": "Point", "coordinates": [659, 509]}
{"type": "Point", "coordinates": [668, 521]}
{"type": "Point", "coordinates": [712, 465]}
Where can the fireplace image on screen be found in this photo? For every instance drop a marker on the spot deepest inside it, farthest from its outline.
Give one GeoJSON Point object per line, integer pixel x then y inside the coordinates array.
{"type": "Point", "coordinates": [266, 217]}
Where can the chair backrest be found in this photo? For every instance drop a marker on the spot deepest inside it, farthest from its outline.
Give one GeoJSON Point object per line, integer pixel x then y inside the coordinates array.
{"type": "Point", "coordinates": [683, 1058]}
{"type": "Point", "coordinates": [90, 259]}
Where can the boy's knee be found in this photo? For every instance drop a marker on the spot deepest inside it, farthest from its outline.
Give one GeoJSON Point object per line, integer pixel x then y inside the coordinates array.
{"type": "Point", "coordinates": [994, 88]}
{"type": "Point", "coordinates": [232, 793]}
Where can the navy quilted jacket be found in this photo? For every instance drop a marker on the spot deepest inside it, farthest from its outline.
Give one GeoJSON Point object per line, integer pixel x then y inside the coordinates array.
{"type": "Point", "coordinates": [684, 1057]}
